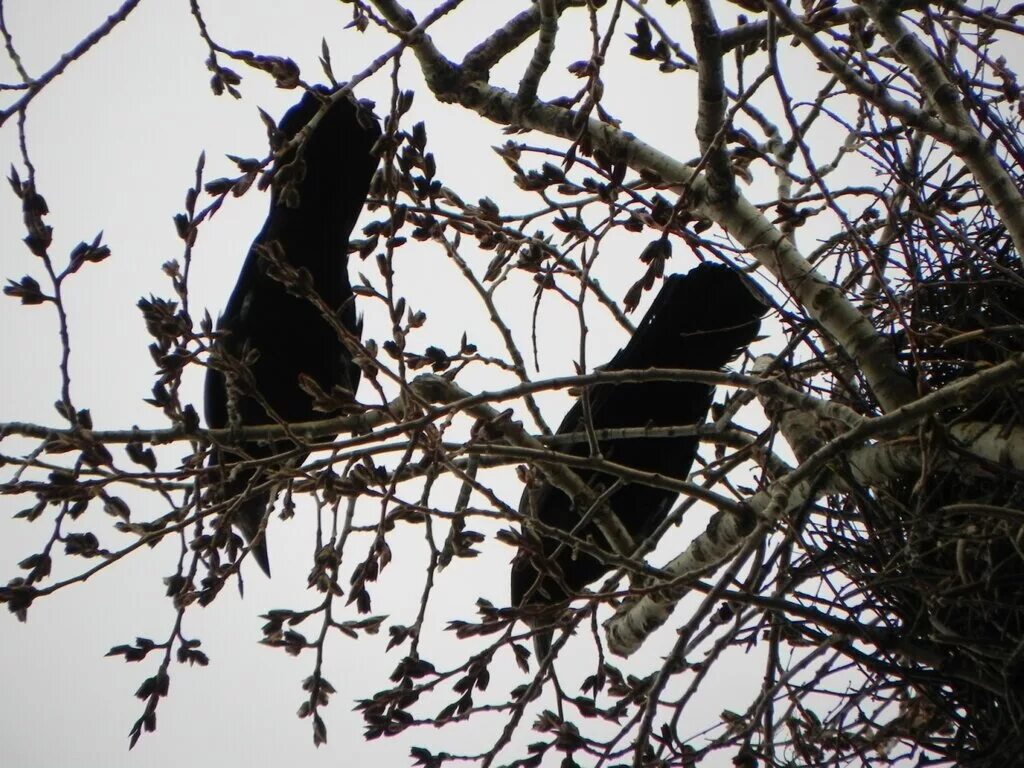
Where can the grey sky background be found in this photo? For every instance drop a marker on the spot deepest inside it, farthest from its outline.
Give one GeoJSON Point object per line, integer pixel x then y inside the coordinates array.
{"type": "Point", "coordinates": [115, 140]}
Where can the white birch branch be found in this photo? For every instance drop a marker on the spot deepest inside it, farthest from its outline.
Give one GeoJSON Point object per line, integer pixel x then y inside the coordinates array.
{"type": "Point", "coordinates": [728, 532]}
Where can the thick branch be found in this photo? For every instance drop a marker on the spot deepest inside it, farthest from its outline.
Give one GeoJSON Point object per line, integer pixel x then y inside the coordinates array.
{"type": "Point", "coordinates": [508, 37]}
{"type": "Point", "coordinates": [541, 53]}
{"type": "Point", "coordinates": [711, 124]}
{"type": "Point", "coordinates": [727, 533]}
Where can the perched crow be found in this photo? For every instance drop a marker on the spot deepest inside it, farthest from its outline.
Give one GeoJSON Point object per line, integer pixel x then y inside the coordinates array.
{"type": "Point", "coordinates": [315, 200]}
{"type": "Point", "coordinates": [700, 320]}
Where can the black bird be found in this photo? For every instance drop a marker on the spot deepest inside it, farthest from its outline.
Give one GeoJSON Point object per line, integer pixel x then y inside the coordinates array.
{"type": "Point", "coordinates": [316, 196]}
{"type": "Point", "coordinates": [700, 320]}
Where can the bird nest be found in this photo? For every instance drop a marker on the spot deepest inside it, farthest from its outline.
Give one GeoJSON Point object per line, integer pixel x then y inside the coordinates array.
{"type": "Point", "coordinates": [933, 562]}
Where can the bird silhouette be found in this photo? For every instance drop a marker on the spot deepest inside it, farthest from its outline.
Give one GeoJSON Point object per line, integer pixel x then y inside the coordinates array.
{"type": "Point", "coordinates": [700, 320]}
{"type": "Point", "coordinates": [316, 195]}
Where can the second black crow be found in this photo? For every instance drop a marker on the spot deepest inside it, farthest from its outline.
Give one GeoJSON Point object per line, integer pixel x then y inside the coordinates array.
{"type": "Point", "coordinates": [700, 320]}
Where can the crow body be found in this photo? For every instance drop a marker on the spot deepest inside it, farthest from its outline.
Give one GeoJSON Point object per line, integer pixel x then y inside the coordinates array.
{"type": "Point", "coordinates": [700, 320]}
{"type": "Point", "coordinates": [316, 197]}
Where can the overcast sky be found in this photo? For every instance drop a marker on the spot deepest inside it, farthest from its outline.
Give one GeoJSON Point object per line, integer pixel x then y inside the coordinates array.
{"type": "Point", "coordinates": [115, 140]}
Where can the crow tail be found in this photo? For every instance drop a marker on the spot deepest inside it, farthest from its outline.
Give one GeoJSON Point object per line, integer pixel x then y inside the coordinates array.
{"type": "Point", "coordinates": [248, 519]}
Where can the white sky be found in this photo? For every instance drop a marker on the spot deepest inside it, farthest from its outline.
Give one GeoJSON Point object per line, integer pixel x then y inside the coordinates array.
{"type": "Point", "coordinates": [115, 140]}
